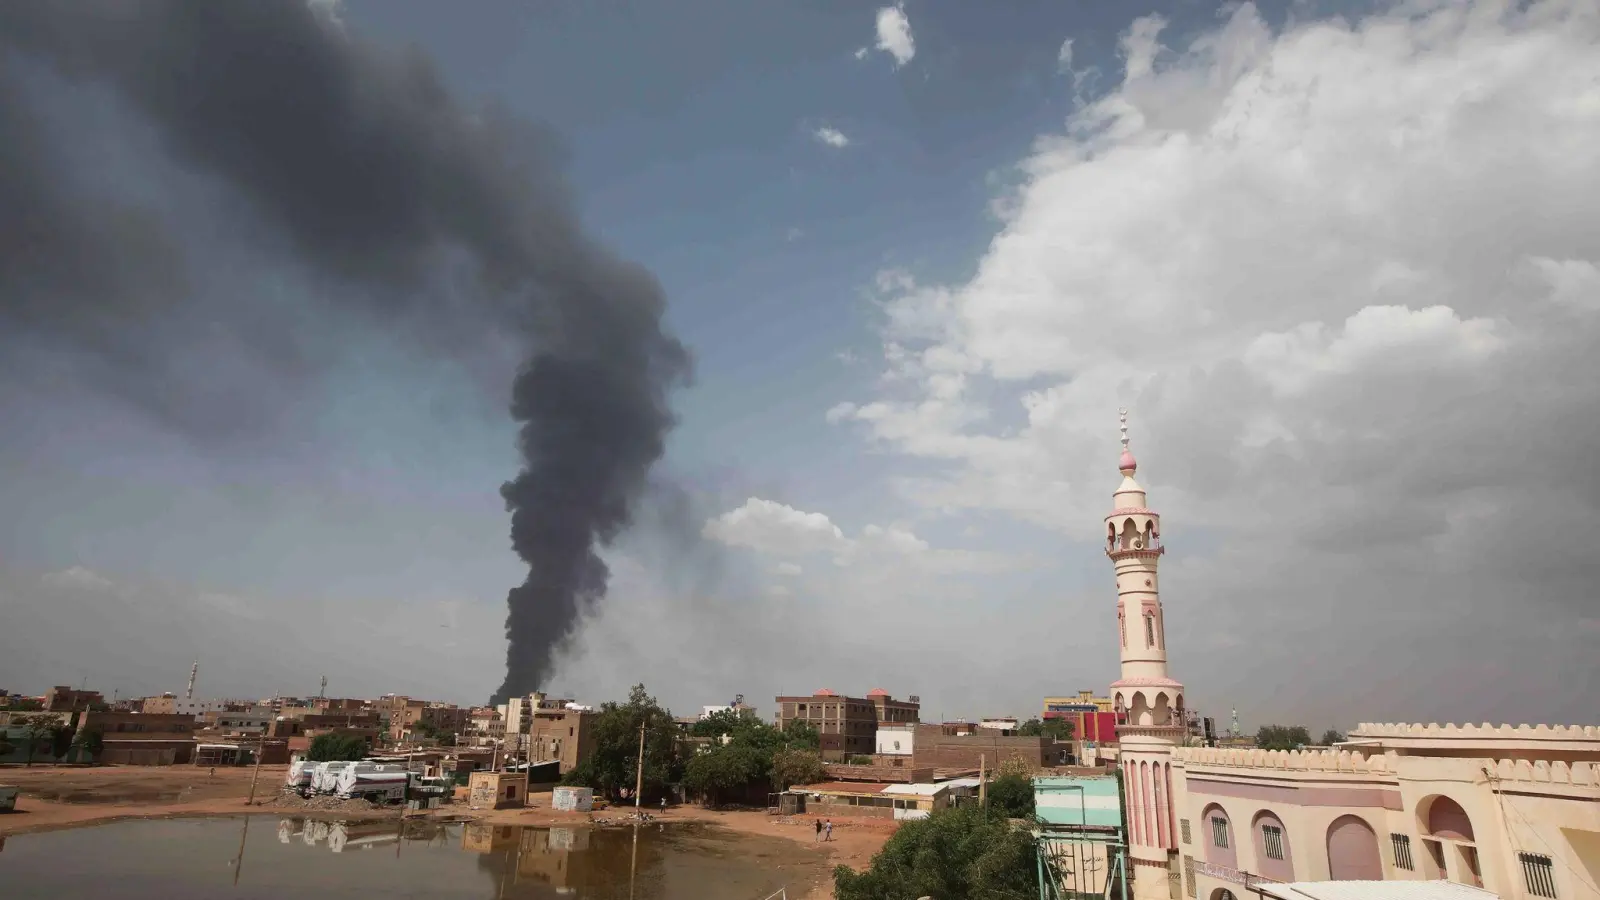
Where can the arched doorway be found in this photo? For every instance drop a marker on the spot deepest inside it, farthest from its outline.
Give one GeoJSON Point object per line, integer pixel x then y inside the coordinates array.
{"type": "Point", "coordinates": [1271, 842]}
{"type": "Point", "coordinates": [1353, 851]}
{"type": "Point", "coordinates": [1222, 894]}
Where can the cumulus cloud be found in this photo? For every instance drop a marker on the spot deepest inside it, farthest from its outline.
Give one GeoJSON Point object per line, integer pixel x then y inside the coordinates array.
{"type": "Point", "coordinates": [894, 35]}
{"type": "Point", "coordinates": [777, 528]}
{"type": "Point", "coordinates": [832, 137]}
{"type": "Point", "coordinates": [1345, 276]}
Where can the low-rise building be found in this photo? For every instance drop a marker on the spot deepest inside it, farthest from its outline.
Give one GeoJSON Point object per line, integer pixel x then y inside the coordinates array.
{"type": "Point", "coordinates": [172, 704]}
{"type": "Point", "coordinates": [896, 740]}
{"type": "Point", "coordinates": [838, 799]}
{"type": "Point", "coordinates": [847, 726]}
{"type": "Point", "coordinates": [954, 747]}
{"type": "Point", "coordinates": [1515, 810]}
{"type": "Point", "coordinates": [63, 698]}
{"type": "Point", "coordinates": [142, 739]}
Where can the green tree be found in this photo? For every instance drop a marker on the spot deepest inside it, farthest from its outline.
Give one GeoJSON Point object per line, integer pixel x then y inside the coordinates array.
{"type": "Point", "coordinates": [611, 768]}
{"type": "Point", "coordinates": [1057, 729]}
{"type": "Point", "coordinates": [1012, 794]}
{"type": "Point", "coordinates": [801, 736]}
{"type": "Point", "coordinates": [39, 729]}
{"type": "Point", "coordinates": [5, 742]}
{"type": "Point", "coordinates": [60, 740]}
{"type": "Point", "coordinates": [792, 767]}
{"type": "Point", "coordinates": [440, 735]}
{"type": "Point", "coordinates": [1282, 737]}
{"type": "Point", "coordinates": [962, 853]}
{"type": "Point", "coordinates": [726, 771]}
{"type": "Point", "coordinates": [336, 746]}
{"type": "Point", "coordinates": [90, 742]}
{"type": "Point", "coordinates": [1331, 737]}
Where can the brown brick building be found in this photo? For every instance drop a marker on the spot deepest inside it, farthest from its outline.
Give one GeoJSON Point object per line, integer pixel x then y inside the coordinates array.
{"type": "Point", "coordinates": [848, 726]}
{"type": "Point", "coordinates": [142, 739]}
{"type": "Point", "coordinates": [957, 747]}
{"type": "Point", "coordinates": [62, 698]}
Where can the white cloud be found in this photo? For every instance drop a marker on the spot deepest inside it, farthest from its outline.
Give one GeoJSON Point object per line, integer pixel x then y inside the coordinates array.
{"type": "Point", "coordinates": [1064, 57]}
{"type": "Point", "coordinates": [1573, 283]}
{"type": "Point", "coordinates": [794, 234]}
{"type": "Point", "coordinates": [861, 53]}
{"type": "Point", "coordinates": [894, 34]}
{"type": "Point", "coordinates": [788, 568]}
{"type": "Point", "coordinates": [771, 527]}
{"type": "Point", "coordinates": [329, 11]}
{"type": "Point", "coordinates": [78, 577]}
{"type": "Point", "coordinates": [1333, 270]}
{"type": "Point", "coordinates": [832, 137]}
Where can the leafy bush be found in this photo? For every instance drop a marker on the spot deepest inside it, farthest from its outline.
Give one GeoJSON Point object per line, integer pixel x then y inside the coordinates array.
{"type": "Point", "coordinates": [962, 853]}
{"type": "Point", "coordinates": [337, 746]}
{"type": "Point", "coordinates": [1012, 794]}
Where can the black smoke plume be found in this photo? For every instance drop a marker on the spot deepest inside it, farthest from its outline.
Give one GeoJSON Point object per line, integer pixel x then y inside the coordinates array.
{"type": "Point", "coordinates": [374, 178]}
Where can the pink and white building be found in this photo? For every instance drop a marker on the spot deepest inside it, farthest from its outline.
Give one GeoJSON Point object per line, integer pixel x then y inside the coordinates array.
{"type": "Point", "coordinates": [1512, 810]}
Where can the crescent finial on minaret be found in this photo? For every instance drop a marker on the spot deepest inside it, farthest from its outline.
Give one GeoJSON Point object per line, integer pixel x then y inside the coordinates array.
{"type": "Point", "coordinates": [1127, 463]}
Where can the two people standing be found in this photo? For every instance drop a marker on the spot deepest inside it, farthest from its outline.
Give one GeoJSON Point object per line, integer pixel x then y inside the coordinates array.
{"type": "Point", "coordinates": [824, 830]}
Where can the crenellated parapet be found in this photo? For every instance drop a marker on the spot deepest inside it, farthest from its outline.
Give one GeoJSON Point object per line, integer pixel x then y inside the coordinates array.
{"type": "Point", "coordinates": [1293, 760]}
{"type": "Point", "coordinates": [1477, 732]}
{"type": "Point", "coordinates": [1540, 772]}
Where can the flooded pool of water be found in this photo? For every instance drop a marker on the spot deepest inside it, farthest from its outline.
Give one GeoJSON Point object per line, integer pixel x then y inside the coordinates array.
{"type": "Point", "coordinates": [268, 857]}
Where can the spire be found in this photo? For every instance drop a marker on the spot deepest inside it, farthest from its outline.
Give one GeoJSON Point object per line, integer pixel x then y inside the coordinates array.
{"type": "Point", "coordinates": [1127, 463]}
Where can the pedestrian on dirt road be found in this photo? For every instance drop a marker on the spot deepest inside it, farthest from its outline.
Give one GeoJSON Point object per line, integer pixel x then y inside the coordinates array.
{"type": "Point", "coordinates": [827, 828]}
{"type": "Point", "coordinates": [663, 803]}
{"type": "Point", "coordinates": [819, 829]}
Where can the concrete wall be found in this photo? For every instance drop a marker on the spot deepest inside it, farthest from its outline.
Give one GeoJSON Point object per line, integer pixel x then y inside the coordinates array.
{"type": "Point", "coordinates": [1341, 813]}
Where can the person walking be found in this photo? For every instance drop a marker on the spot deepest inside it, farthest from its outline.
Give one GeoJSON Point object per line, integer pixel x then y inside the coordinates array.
{"type": "Point", "coordinates": [827, 830]}
{"type": "Point", "coordinates": [819, 829]}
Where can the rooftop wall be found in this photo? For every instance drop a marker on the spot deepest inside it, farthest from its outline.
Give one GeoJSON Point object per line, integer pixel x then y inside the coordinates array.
{"type": "Point", "coordinates": [1301, 760]}
{"type": "Point", "coordinates": [1484, 731]}
{"type": "Point", "coordinates": [1579, 774]}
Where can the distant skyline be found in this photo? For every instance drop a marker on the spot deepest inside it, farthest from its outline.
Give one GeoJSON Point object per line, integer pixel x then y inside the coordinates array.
{"type": "Point", "coordinates": [1340, 261]}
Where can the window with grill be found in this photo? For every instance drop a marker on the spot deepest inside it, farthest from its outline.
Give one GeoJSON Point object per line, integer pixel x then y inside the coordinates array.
{"type": "Point", "coordinates": [1149, 631]}
{"type": "Point", "coordinates": [1272, 839]}
{"type": "Point", "coordinates": [1539, 873]}
{"type": "Point", "coordinates": [1184, 823]}
{"type": "Point", "coordinates": [1188, 874]}
{"type": "Point", "coordinates": [1402, 851]}
{"type": "Point", "coordinates": [1219, 832]}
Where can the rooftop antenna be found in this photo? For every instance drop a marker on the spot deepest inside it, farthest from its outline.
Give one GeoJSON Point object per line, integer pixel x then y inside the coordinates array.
{"type": "Point", "coordinates": [194, 672]}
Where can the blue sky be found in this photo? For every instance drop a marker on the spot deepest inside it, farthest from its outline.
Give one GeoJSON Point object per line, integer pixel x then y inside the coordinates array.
{"type": "Point", "coordinates": [1068, 238]}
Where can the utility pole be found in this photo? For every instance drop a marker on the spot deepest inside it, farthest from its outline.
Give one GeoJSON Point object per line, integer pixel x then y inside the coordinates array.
{"type": "Point", "coordinates": [638, 783]}
{"type": "Point", "coordinates": [261, 750]}
{"type": "Point", "coordinates": [983, 782]}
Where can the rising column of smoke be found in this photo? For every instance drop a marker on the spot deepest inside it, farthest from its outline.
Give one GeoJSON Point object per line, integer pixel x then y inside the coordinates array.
{"type": "Point", "coordinates": [375, 177]}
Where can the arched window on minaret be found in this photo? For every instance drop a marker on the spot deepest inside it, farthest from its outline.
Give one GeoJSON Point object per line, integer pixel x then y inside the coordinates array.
{"type": "Point", "coordinates": [1149, 630]}
{"type": "Point", "coordinates": [1122, 625]}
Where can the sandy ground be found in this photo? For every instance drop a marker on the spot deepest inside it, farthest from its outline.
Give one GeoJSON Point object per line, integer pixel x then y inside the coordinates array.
{"type": "Point", "coordinates": [67, 796]}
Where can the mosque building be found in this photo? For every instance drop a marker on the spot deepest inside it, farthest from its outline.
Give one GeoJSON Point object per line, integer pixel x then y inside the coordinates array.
{"type": "Point", "coordinates": [1514, 811]}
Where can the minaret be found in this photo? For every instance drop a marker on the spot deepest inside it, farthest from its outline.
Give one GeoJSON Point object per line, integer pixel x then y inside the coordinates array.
{"type": "Point", "coordinates": [194, 672]}
{"type": "Point", "coordinates": [1148, 702]}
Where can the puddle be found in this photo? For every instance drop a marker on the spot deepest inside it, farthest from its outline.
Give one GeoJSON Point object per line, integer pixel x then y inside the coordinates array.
{"type": "Point", "coordinates": [272, 857]}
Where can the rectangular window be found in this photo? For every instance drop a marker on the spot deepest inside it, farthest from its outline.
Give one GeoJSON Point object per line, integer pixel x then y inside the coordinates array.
{"type": "Point", "coordinates": [1219, 832]}
{"type": "Point", "coordinates": [1188, 870]}
{"type": "Point", "coordinates": [1183, 823]}
{"type": "Point", "coordinates": [1272, 838]}
{"type": "Point", "coordinates": [1149, 631]}
{"type": "Point", "coordinates": [1402, 851]}
{"type": "Point", "coordinates": [1539, 873]}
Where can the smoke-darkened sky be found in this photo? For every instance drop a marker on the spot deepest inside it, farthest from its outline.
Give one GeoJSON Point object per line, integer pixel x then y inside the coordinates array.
{"type": "Point", "coordinates": [1342, 271]}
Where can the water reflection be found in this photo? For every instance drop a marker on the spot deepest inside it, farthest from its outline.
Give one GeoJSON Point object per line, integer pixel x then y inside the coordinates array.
{"type": "Point", "coordinates": [250, 857]}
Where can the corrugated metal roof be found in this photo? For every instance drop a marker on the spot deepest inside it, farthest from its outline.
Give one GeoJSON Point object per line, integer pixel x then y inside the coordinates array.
{"type": "Point", "coordinates": [1375, 890]}
{"type": "Point", "coordinates": [963, 782]}
{"type": "Point", "coordinates": [921, 790]}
